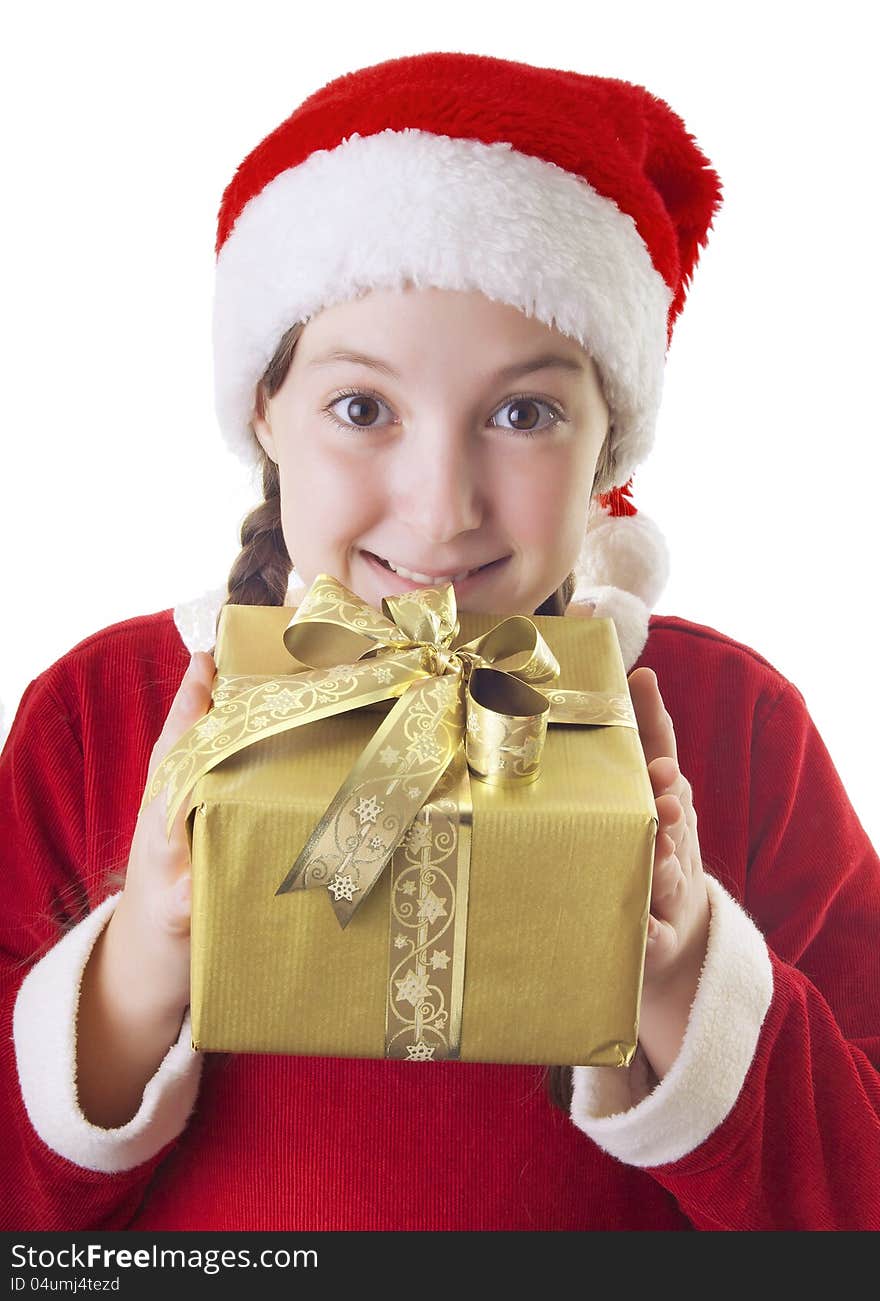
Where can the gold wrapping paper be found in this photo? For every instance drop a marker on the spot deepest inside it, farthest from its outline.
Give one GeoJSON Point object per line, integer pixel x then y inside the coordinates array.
{"type": "Point", "coordinates": [558, 889]}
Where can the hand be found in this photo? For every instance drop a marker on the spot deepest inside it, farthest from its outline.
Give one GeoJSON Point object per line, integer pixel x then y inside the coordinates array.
{"type": "Point", "coordinates": [154, 911]}
{"type": "Point", "coordinates": [678, 928]}
{"type": "Point", "coordinates": [135, 986]}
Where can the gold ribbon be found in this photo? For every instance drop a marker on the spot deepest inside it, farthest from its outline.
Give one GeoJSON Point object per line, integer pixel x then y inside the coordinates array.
{"type": "Point", "coordinates": [395, 804]}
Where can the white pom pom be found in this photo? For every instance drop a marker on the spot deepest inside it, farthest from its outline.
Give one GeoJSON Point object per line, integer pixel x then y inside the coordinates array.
{"type": "Point", "coordinates": [628, 552]}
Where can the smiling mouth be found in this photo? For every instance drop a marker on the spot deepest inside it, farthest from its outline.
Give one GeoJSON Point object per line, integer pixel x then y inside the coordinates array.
{"type": "Point", "coordinates": [415, 576]}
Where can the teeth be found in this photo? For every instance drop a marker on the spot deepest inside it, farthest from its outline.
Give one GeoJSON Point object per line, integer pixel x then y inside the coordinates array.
{"type": "Point", "coordinates": [433, 579]}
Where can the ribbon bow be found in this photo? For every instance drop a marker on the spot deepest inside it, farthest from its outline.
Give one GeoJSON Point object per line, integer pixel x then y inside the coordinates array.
{"type": "Point", "coordinates": [484, 693]}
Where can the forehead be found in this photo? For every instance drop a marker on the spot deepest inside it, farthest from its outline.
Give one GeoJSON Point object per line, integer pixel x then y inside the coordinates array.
{"type": "Point", "coordinates": [411, 317]}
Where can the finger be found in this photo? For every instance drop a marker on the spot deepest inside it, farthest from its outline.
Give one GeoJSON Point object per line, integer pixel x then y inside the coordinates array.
{"type": "Point", "coordinates": [655, 724]}
{"type": "Point", "coordinates": [661, 946]}
{"type": "Point", "coordinates": [678, 825]}
{"type": "Point", "coordinates": [664, 775]}
{"type": "Point", "coordinates": [673, 821]}
{"type": "Point", "coordinates": [178, 906]}
{"type": "Point", "coordinates": [668, 889]}
{"type": "Point", "coordinates": [581, 609]}
{"type": "Point", "coordinates": [166, 900]}
{"type": "Point", "coordinates": [670, 793]}
{"type": "Point", "coordinates": [667, 779]}
{"type": "Point", "coordinates": [192, 702]}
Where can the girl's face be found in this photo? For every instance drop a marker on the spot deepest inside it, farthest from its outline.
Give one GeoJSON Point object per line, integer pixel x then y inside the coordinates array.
{"type": "Point", "coordinates": [437, 434]}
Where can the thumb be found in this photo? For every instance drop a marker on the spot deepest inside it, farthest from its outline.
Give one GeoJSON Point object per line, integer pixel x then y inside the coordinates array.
{"type": "Point", "coordinates": [178, 905]}
{"type": "Point", "coordinates": [192, 702]}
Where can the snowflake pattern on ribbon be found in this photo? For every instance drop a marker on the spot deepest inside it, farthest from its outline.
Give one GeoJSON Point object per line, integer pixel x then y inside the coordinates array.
{"type": "Point", "coordinates": [342, 887]}
{"type": "Point", "coordinates": [210, 727]}
{"type": "Point", "coordinates": [413, 988]}
{"type": "Point", "coordinates": [431, 907]}
{"type": "Point", "coordinates": [424, 748]}
{"type": "Point", "coordinates": [368, 809]}
{"type": "Point", "coordinates": [424, 901]}
{"type": "Point", "coordinates": [420, 1052]}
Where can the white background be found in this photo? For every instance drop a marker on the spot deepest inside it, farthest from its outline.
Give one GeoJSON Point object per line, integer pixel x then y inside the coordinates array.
{"type": "Point", "coordinates": [122, 125]}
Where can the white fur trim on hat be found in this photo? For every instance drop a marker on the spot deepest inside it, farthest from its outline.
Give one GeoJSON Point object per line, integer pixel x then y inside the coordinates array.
{"type": "Point", "coordinates": [409, 206]}
{"type": "Point", "coordinates": [644, 1123]}
{"type": "Point", "coordinates": [44, 1031]}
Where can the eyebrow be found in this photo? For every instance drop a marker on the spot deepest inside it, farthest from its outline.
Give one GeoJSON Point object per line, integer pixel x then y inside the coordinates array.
{"type": "Point", "coordinates": [546, 361]}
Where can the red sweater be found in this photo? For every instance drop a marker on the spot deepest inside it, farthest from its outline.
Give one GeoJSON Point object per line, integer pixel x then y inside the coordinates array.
{"type": "Point", "coordinates": [769, 1120]}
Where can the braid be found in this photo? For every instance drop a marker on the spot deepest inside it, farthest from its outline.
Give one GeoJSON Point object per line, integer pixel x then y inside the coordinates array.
{"type": "Point", "coordinates": [262, 569]}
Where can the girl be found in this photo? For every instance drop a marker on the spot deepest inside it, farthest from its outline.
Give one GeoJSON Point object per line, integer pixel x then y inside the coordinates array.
{"type": "Point", "coordinates": [445, 288]}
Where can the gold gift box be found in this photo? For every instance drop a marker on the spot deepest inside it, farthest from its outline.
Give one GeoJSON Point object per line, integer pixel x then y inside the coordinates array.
{"type": "Point", "coordinates": [559, 881]}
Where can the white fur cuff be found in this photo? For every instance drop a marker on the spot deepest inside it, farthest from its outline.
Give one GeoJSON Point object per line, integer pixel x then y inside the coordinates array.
{"type": "Point", "coordinates": [701, 1087]}
{"type": "Point", "coordinates": [44, 1031]}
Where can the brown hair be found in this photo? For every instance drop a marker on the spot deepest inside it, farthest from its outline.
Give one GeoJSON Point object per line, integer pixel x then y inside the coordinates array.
{"type": "Point", "coordinates": [261, 572]}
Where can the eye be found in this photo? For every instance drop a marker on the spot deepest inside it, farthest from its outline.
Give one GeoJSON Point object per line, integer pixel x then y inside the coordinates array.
{"type": "Point", "coordinates": [359, 409]}
{"type": "Point", "coordinates": [525, 414]}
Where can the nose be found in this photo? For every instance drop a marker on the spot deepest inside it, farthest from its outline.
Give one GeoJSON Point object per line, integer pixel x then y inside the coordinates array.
{"type": "Point", "coordinates": [438, 487]}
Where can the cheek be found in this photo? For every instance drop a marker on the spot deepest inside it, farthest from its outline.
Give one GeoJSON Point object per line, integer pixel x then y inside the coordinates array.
{"type": "Point", "coordinates": [324, 498]}
{"type": "Point", "coordinates": [543, 500]}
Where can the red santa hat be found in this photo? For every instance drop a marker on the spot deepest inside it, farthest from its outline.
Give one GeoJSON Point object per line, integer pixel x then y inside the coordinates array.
{"type": "Point", "coordinates": [581, 200]}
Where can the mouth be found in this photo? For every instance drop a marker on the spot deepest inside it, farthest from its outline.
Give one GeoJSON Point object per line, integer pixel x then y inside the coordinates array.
{"type": "Point", "coordinates": [399, 579]}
